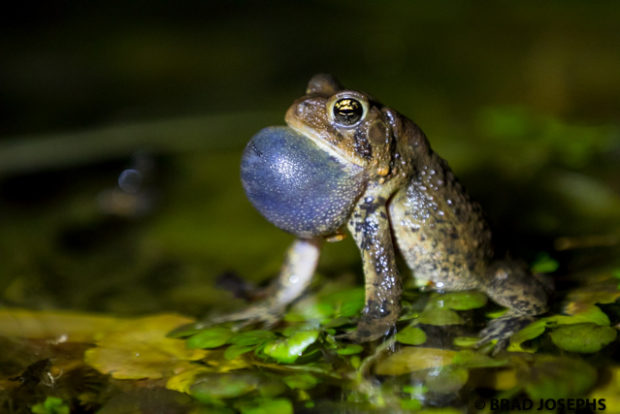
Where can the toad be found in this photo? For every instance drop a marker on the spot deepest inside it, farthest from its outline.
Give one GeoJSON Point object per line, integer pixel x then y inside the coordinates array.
{"type": "Point", "coordinates": [346, 161]}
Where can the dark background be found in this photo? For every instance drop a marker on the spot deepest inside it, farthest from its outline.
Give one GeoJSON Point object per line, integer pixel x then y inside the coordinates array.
{"type": "Point", "coordinates": [71, 65]}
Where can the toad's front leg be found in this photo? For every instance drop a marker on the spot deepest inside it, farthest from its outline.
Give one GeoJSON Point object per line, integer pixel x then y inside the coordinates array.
{"type": "Point", "coordinates": [370, 228]}
{"type": "Point", "coordinates": [295, 276]}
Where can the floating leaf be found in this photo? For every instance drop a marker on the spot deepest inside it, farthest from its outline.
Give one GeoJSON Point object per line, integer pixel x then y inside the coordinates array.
{"type": "Point", "coordinates": [272, 388]}
{"type": "Point", "coordinates": [410, 405]}
{"type": "Point", "coordinates": [209, 338]}
{"type": "Point", "coordinates": [183, 382]}
{"type": "Point", "coordinates": [308, 310]}
{"type": "Point", "coordinates": [496, 313]}
{"type": "Point", "coordinates": [466, 300]}
{"type": "Point", "coordinates": [139, 348]}
{"type": "Point", "coordinates": [212, 388]}
{"type": "Point", "coordinates": [235, 351]}
{"type": "Point", "coordinates": [556, 377]}
{"type": "Point", "coordinates": [339, 305]}
{"type": "Point", "coordinates": [544, 264]}
{"type": "Point", "coordinates": [338, 322]}
{"type": "Point", "coordinates": [473, 359]}
{"type": "Point", "coordinates": [583, 337]}
{"type": "Point", "coordinates": [440, 317]}
{"type": "Point", "coordinates": [301, 381]}
{"type": "Point", "coordinates": [411, 335]}
{"type": "Point", "coordinates": [599, 289]}
{"type": "Point", "coordinates": [51, 405]}
{"type": "Point", "coordinates": [466, 341]}
{"type": "Point", "coordinates": [417, 390]}
{"type": "Point", "coordinates": [531, 331]}
{"type": "Point", "coordinates": [186, 330]}
{"type": "Point", "coordinates": [446, 380]}
{"type": "Point", "coordinates": [410, 359]}
{"type": "Point", "coordinates": [247, 341]}
{"type": "Point", "coordinates": [580, 313]}
{"type": "Point", "coordinates": [75, 327]}
{"type": "Point", "coordinates": [255, 337]}
{"type": "Point", "coordinates": [346, 303]}
{"type": "Point", "coordinates": [350, 349]}
{"type": "Point", "coordinates": [267, 406]}
{"type": "Point", "coordinates": [287, 350]}
{"type": "Point", "coordinates": [296, 328]}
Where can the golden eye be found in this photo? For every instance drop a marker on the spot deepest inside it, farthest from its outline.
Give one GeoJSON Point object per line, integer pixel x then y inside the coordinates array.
{"type": "Point", "coordinates": [347, 111]}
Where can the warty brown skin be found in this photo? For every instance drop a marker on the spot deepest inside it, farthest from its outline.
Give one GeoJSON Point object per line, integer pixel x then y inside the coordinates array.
{"type": "Point", "coordinates": [411, 201]}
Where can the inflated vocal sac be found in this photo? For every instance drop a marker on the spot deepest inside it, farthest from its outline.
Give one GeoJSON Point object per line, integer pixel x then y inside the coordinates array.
{"type": "Point", "coordinates": [298, 186]}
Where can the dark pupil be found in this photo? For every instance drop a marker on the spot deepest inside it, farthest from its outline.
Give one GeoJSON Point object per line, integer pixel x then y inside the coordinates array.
{"type": "Point", "coordinates": [348, 111]}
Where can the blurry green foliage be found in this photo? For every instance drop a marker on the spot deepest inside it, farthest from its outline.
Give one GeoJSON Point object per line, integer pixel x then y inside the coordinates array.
{"type": "Point", "coordinates": [51, 405]}
{"type": "Point", "coordinates": [584, 338]}
{"type": "Point", "coordinates": [209, 338]}
{"type": "Point", "coordinates": [411, 335]}
{"type": "Point", "coordinates": [288, 349]}
{"type": "Point", "coordinates": [267, 406]}
{"type": "Point", "coordinates": [544, 264]}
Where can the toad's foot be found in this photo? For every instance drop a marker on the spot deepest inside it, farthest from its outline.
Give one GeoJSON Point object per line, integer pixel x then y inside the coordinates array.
{"type": "Point", "coordinates": [369, 329]}
{"type": "Point", "coordinates": [502, 329]}
{"type": "Point", "coordinates": [264, 314]}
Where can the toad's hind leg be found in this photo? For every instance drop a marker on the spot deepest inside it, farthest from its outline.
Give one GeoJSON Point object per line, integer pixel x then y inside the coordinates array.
{"type": "Point", "coordinates": [295, 276]}
{"type": "Point", "coordinates": [511, 285]}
